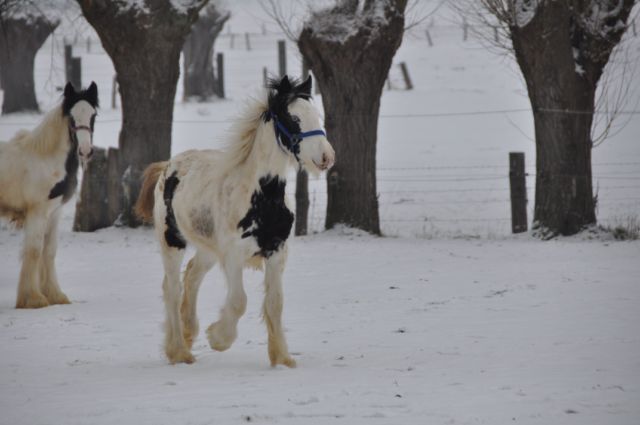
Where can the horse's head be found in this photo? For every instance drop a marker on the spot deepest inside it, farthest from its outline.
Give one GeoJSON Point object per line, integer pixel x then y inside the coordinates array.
{"type": "Point", "coordinates": [80, 108]}
{"type": "Point", "coordinates": [296, 124]}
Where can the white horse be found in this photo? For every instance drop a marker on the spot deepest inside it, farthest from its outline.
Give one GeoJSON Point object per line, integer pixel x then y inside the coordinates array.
{"type": "Point", "coordinates": [230, 205]}
{"type": "Point", "coordinates": [38, 173]}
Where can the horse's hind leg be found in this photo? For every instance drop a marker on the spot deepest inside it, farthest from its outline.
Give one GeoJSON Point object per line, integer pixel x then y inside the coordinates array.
{"type": "Point", "coordinates": [48, 277]}
{"type": "Point", "coordinates": [198, 266]}
{"type": "Point", "coordinates": [224, 332]}
{"type": "Point", "coordinates": [174, 346]}
{"type": "Point", "coordinates": [29, 295]}
{"type": "Point", "coordinates": [272, 310]}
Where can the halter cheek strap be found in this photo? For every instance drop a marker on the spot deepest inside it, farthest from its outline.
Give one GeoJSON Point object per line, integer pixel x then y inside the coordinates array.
{"type": "Point", "coordinates": [294, 138]}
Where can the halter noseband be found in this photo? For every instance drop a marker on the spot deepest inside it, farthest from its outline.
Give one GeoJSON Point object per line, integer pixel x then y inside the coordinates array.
{"type": "Point", "coordinates": [294, 138]}
{"type": "Point", "coordinates": [75, 128]}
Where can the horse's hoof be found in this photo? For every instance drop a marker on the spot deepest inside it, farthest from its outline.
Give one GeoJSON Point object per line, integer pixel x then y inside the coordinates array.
{"type": "Point", "coordinates": [286, 361]}
{"type": "Point", "coordinates": [220, 339]}
{"type": "Point", "coordinates": [58, 298]}
{"type": "Point", "coordinates": [181, 356]}
{"type": "Point", "coordinates": [35, 300]}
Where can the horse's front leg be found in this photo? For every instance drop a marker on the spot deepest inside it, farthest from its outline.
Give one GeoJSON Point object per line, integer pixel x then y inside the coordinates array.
{"type": "Point", "coordinates": [272, 309]}
{"type": "Point", "coordinates": [29, 295]}
{"type": "Point", "coordinates": [224, 332]}
{"type": "Point", "coordinates": [48, 278]}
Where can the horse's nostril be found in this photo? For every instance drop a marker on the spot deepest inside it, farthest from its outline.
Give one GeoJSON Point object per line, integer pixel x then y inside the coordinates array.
{"type": "Point", "coordinates": [90, 153]}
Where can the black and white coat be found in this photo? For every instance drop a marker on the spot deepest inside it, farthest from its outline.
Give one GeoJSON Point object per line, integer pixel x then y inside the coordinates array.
{"type": "Point", "coordinates": [231, 207]}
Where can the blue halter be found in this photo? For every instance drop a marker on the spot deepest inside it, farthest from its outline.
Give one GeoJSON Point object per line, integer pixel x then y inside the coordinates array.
{"type": "Point", "coordinates": [294, 138]}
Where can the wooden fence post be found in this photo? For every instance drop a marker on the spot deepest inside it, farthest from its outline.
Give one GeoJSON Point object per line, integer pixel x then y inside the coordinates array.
{"type": "Point", "coordinates": [114, 91]}
{"type": "Point", "coordinates": [265, 76]}
{"type": "Point", "coordinates": [302, 185]}
{"type": "Point", "coordinates": [282, 58]}
{"type": "Point", "coordinates": [72, 67]}
{"type": "Point", "coordinates": [405, 74]}
{"type": "Point", "coordinates": [518, 185]}
{"type": "Point", "coordinates": [114, 185]}
{"type": "Point", "coordinates": [247, 40]}
{"type": "Point", "coordinates": [220, 74]}
{"type": "Point", "coordinates": [92, 208]}
{"type": "Point", "coordinates": [232, 39]}
{"type": "Point", "coordinates": [465, 30]}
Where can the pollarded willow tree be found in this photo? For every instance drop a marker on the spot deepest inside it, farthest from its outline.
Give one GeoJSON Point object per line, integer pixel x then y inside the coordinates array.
{"type": "Point", "coordinates": [349, 48]}
{"type": "Point", "coordinates": [562, 48]}
{"type": "Point", "coordinates": [199, 79]}
{"type": "Point", "coordinates": [144, 40]}
{"type": "Point", "coordinates": [24, 27]}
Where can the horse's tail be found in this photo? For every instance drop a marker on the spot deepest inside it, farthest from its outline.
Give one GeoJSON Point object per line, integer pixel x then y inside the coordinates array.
{"type": "Point", "coordinates": [144, 204]}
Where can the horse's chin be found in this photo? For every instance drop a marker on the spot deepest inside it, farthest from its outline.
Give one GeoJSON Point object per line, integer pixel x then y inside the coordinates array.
{"type": "Point", "coordinates": [311, 168]}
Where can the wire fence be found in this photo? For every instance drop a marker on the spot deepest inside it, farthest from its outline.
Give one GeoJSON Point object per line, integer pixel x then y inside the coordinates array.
{"type": "Point", "coordinates": [408, 193]}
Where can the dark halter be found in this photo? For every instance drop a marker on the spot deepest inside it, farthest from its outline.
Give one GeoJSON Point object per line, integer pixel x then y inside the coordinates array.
{"type": "Point", "coordinates": [294, 138]}
{"type": "Point", "coordinates": [75, 128]}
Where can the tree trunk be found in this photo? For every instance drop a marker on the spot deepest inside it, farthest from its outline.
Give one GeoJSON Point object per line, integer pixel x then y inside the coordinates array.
{"type": "Point", "coordinates": [20, 40]}
{"type": "Point", "coordinates": [351, 72]}
{"type": "Point", "coordinates": [199, 79]}
{"type": "Point", "coordinates": [145, 50]}
{"type": "Point", "coordinates": [562, 66]}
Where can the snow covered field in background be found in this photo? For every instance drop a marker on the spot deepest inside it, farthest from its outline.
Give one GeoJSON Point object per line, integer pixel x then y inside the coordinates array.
{"type": "Point", "coordinates": [470, 326]}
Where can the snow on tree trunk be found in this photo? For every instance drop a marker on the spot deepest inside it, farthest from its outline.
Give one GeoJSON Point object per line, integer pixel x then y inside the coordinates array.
{"type": "Point", "coordinates": [198, 77]}
{"type": "Point", "coordinates": [20, 39]}
{"type": "Point", "coordinates": [350, 53]}
{"type": "Point", "coordinates": [562, 51]}
{"type": "Point", "coordinates": [144, 43]}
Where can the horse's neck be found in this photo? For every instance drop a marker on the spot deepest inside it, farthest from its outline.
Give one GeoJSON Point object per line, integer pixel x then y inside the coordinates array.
{"type": "Point", "coordinates": [51, 135]}
{"type": "Point", "coordinates": [266, 157]}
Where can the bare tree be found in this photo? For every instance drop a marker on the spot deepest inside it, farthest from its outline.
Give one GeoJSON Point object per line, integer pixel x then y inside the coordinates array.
{"type": "Point", "coordinates": [199, 79]}
{"type": "Point", "coordinates": [144, 41]}
{"type": "Point", "coordinates": [24, 27]}
{"type": "Point", "coordinates": [562, 48]}
{"type": "Point", "coordinates": [349, 48]}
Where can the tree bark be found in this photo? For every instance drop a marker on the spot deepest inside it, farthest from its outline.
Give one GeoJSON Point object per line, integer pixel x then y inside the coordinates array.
{"type": "Point", "coordinates": [20, 40]}
{"type": "Point", "coordinates": [145, 49]}
{"type": "Point", "coordinates": [198, 76]}
{"type": "Point", "coordinates": [562, 64]}
{"type": "Point", "coordinates": [351, 71]}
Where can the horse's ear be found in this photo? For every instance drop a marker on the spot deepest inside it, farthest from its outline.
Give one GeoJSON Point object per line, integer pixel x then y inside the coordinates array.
{"type": "Point", "coordinates": [305, 88]}
{"type": "Point", "coordinates": [69, 91]}
{"type": "Point", "coordinates": [285, 85]}
{"type": "Point", "coordinates": [92, 94]}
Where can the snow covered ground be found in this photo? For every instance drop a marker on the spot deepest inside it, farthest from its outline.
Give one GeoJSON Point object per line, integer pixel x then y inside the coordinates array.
{"type": "Point", "coordinates": [452, 322]}
{"type": "Point", "coordinates": [385, 331]}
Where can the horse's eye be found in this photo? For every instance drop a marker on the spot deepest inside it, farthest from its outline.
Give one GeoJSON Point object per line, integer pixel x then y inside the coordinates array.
{"type": "Point", "coordinates": [295, 119]}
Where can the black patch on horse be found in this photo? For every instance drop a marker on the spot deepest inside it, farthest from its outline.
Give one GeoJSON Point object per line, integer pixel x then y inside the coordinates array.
{"type": "Point", "coordinates": [268, 220]}
{"type": "Point", "coordinates": [172, 235]}
{"type": "Point", "coordinates": [67, 186]}
{"type": "Point", "coordinates": [281, 94]}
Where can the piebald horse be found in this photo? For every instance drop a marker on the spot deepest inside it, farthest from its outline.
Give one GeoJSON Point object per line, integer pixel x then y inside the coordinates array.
{"type": "Point", "coordinates": [231, 206]}
{"type": "Point", "coordinates": [38, 174]}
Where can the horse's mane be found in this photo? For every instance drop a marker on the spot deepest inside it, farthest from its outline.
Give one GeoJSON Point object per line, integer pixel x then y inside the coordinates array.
{"type": "Point", "coordinates": [243, 132]}
{"type": "Point", "coordinates": [276, 96]}
{"type": "Point", "coordinates": [47, 135]}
